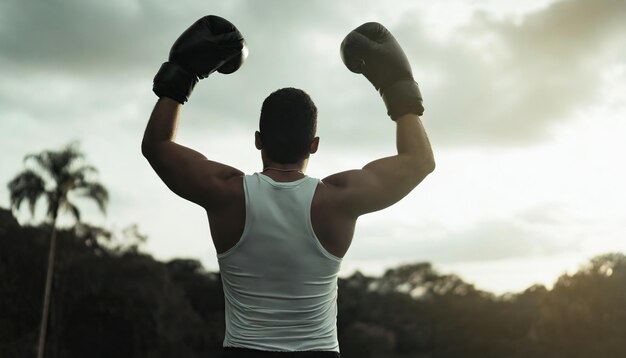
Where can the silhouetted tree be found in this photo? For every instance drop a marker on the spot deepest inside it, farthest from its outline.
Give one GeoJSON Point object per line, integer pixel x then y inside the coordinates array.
{"type": "Point", "coordinates": [53, 175]}
{"type": "Point", "coordinates": [584, 315]}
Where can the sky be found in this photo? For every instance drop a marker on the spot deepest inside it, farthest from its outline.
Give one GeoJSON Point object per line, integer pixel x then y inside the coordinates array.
{"type": "Point", "coordinates": [525, 110]}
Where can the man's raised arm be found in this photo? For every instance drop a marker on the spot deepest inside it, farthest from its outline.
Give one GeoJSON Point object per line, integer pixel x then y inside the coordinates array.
{"type": "Point", "coordinates": [185, 171]}
{"type": "Point", "coordinates": [372, 50]}
{"type": "Point", "coordinates": [210, 44]}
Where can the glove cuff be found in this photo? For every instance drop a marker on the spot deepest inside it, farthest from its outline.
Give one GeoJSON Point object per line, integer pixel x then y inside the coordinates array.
{"type": "Point", "coordinates": [174, 82]}
{"type": "Point", "coordinates": [401, 98]}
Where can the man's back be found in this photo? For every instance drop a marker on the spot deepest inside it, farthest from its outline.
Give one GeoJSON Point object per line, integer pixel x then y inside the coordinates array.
{"type": "Point", "coordinates": [333, 229]}
{"type": "Point", "coordinates": [280, 283]}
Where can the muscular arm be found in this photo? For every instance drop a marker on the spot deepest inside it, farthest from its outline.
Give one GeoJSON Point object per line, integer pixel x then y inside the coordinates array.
{"type": "Point", "coordinates": [372, 50]}
{"type": "Point", "coordinates": [385, 181]}
{"type": "Point", "coordinates": [186, 172]}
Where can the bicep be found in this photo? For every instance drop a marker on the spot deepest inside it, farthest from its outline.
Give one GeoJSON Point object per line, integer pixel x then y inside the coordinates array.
{"type": "Point", "coordinates": [377, 185]}
{"type": "Point", "coordinates": [190, 174]}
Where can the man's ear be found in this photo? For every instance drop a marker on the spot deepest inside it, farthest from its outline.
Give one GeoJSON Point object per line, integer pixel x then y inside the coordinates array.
{"type": "Point", "coordinates": [257, 140]}
{"type": "Point", "coordinates": [314, 144]}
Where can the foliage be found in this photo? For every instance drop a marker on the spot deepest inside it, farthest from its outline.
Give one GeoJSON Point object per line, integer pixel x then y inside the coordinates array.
{"type": "Point", "coordinates": [111, 300]}
{"type": "Point", "coordinates": [53, 175]}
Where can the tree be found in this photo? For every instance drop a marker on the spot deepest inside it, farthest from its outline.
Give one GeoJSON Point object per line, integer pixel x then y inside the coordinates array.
{"type": "Point", "coordinates": [53, 175]}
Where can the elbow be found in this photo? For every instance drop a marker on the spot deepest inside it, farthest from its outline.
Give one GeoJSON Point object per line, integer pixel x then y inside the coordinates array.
{"type": "Point", "coordinates": [425, 168]}
{"type": "Point", "coordinates": [422, 168]}
{"type": "Point", "coordinates": [429, 165]}
{"type": "Point", "coordinates": [147, 149]}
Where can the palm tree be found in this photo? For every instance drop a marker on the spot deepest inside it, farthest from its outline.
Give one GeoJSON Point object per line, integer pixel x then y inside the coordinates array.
{"type": "Point", "coordinates": [53, 175]}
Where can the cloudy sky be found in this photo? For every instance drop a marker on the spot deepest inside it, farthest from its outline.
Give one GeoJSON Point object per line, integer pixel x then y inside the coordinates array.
{"type": "Point", "coordinates": [525, 108]}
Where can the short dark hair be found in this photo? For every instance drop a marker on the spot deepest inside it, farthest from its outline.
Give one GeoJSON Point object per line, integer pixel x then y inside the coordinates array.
{"type": "Point", "coordinates": [288, 124]}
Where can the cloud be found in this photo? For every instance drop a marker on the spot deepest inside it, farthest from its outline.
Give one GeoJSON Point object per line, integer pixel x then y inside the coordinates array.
{"type": "Point", "coordinates": [507, 81]}
{"type": "Point", "coordinates": [103, 55]}
{"type": "Point", "coordinates": [75, 69]}
{"type": "Point", "coordinates": [496, 80]}
{"type": "Point", "coordinates": [540, 231]}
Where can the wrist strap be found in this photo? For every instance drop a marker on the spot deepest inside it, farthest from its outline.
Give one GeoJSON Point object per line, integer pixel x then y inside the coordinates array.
{"type": "Point", "coordinates": [174, 82]}
{"type": "Point", "coordinates": [401, 98]}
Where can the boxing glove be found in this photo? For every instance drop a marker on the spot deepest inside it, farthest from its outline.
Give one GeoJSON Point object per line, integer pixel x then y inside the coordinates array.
{"type": "Point", "coordinates": [371, 50]}
{"type": "Point", "coordinates": [210, 44]}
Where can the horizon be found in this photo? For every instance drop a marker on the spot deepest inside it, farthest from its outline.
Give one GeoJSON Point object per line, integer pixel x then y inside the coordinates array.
{"type": "Point", "coordinates": [343, 274]}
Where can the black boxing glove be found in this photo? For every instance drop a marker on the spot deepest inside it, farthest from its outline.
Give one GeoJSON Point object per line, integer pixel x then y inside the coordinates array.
{"type": "Point", "coordinates": [210, 44]}
{"type": "Point", "coordinates": [372, 50]}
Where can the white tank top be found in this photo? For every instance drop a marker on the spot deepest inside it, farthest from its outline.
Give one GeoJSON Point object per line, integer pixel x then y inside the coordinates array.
{"type": "Point", "coordinates": [280, 284]}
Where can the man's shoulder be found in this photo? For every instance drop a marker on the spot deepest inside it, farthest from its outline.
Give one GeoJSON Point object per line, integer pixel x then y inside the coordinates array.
{"type": "Point", "coordinates": [340, 184]}
{"type": "Point", "coordinates": [233, 185]}
{"type": "Point", "coordinates": [331, 191]}
{"type": "Point", "coordinates": [225, 191]}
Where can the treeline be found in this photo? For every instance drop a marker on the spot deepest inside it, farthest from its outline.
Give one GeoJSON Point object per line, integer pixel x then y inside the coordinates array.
{"type": "Point", "coordinates": [111, 300]}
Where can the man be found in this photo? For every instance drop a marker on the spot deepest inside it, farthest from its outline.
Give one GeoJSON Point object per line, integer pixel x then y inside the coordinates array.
{"type": "Point", "coordinates": [280, 235]}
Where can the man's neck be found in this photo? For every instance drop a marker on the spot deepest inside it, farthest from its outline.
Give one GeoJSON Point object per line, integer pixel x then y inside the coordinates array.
{"type": "Point", "coordinates": [284, 172]}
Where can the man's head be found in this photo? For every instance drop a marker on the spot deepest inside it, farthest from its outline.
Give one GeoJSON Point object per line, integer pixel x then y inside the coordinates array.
{"type": "Point", "coordinates": [287, 126]}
